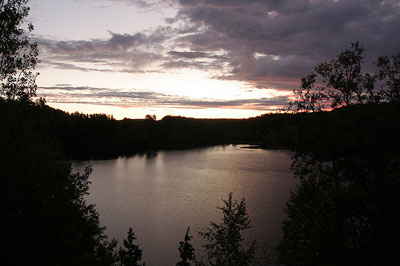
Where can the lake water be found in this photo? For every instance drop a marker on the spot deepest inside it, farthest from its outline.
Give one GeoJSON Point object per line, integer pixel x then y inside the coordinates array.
{"type": "Point", "coordinates": [160, 194]}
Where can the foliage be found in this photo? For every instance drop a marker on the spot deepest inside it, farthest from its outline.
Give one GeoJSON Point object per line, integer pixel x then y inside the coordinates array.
{"type": "Point", "coordinates": [308, 96]}
{"type": "Point", "coordinates": [343, 77]}
{"type": "Point", "coordinates": [341, 82]}
{"type": "Point", "coordinates": [342, 213]}
{"type": "Point", "coordinates": [45, 220]}
{"type": "Point", "coordinates": [131, 254]}
{"type": "Point", "coordinates": [186, 250]}
{"type": "Point", "coordinates": [344, 210]}
{"type": "Point", "coordinates": [18, 56]}
{"type": "Point", "coordinates": [151, 117]}
{"type": "Point", "coordinates": [389, 71]}
{"type": "Point", "coordinates": [225, 240]}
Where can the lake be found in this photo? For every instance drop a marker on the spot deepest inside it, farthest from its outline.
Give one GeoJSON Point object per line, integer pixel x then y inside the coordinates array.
{"type": "Point", "coordinates": [160, 194]}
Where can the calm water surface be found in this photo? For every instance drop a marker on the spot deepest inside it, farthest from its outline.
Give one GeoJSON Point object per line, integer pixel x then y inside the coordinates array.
{"type": "Point", "coordinates": [160, 194]}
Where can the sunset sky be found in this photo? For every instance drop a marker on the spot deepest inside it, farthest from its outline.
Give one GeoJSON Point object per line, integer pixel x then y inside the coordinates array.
{"type": "Point", "coordinates": [196, 58]}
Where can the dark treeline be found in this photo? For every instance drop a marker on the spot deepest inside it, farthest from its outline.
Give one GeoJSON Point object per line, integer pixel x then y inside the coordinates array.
{"type": "Point", "coordinates": [85, 136]}
{"type": "Point", "coordinates": [97, 135]}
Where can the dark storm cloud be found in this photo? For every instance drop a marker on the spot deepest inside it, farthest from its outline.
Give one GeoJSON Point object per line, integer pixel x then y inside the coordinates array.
{"type": "Point", "coordinates": [301, 32]}
{"type": "Point", "coordinates": [87, 95]}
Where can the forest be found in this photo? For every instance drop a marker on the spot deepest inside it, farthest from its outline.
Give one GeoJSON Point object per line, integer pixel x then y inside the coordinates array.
{"type": "Point", "coordinates": [343, 128]}
{"type": "Point", "coordinates": [83, 135]}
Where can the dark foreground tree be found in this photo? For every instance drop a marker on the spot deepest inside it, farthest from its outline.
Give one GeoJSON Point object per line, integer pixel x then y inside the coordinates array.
{"type": "Point", "coordinates": [18, 56]}
{"type": "Point", "coordinates": [389, 72]}
{"type": "Point", "coordinates": [186, 250]}
{"type": "Point", "coordinates": [343, 77]}
{"type": "Point", "coordinates": [342, 82]}
{"type": "Point", "coordinates": [343, 212]}
{"type": "Point", "coordinates": [225, 240]}
{"type": "Point", "coordinates": [45, 219]}
{"type": "Point", "coordinates": [130, 254]}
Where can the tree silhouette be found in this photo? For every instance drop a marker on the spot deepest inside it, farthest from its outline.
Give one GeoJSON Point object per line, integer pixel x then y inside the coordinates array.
{"type": "Point", "coordinates": [186, 250]}
{"type": "Point", "coordinates": [309, 97]}
{"type": "Point", "coordinates": [45, 219]}
{"type": "Point", "coordinates": [342, 212]}
{"type": "Point", "coordinates": [339, 82]}
{"type": "Point", "coordinates": [150, 117]}
{"type": "Point", "coordinates": [18, 56]}
{"type": "Point", "coordinates": [389, 71]}
{"type": "Point", "coordinates": [343, 209]}
{"type": "Point", "coordinates": [225, 240]}
{"type": "Point", "coordinates": [131, 254]}
{"type": "Point", "coordinates": [343, 76]}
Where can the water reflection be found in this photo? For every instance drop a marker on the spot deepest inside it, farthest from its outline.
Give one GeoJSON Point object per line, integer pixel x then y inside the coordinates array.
{"type": "Point", "coordinates": [160, 194]}
{"type": "Point", "coordinates": [151, 155]}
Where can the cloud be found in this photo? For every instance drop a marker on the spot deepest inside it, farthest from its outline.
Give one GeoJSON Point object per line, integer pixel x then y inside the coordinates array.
{"type": "Point", "coordinates": [194, 55]}
{"type": "Point", "coordinates": [133, 97]}
{"type": "Point", "coordinates": [145, 4]}
{"type": "Point", "coordinates": [265, 43]}
{"type": "Point", "coordinates": [263, 104]}
{"type": "Point", "coordinates": [138, 3]}
{"type": "Point", "coordinates": [300, 33]}
{"type": "Point", "coordinates": [178, 64]}
{"type": "Point", "coordinates": [121, 52]}
{"type": "Point", "coordinates": [128, 53]}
